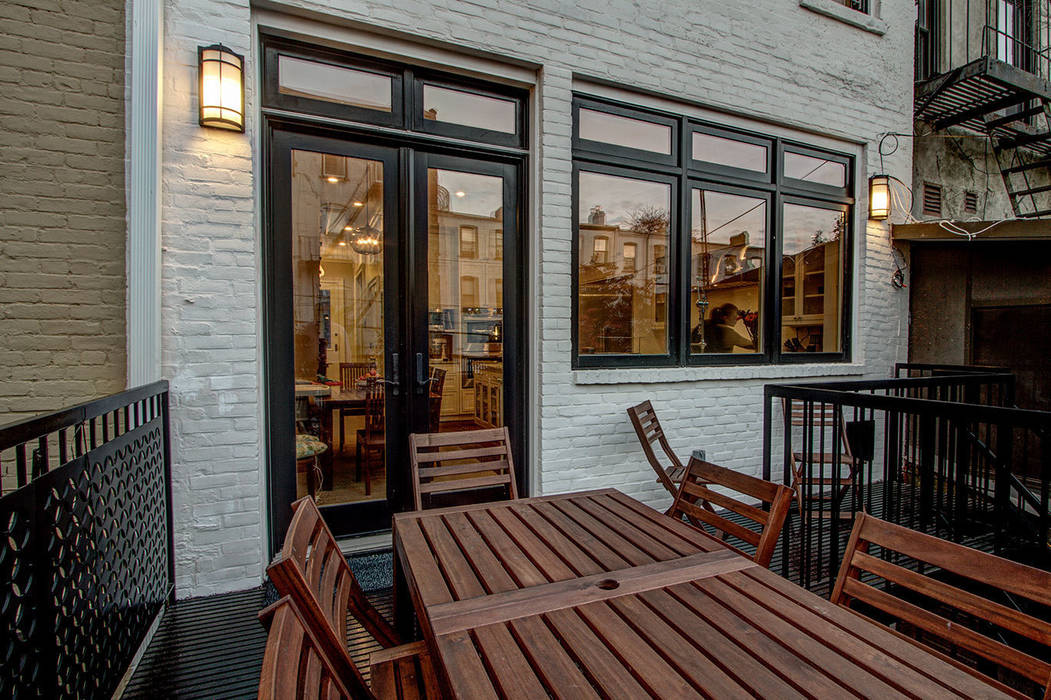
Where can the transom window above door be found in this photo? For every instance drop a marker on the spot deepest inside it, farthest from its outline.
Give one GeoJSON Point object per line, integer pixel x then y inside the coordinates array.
{"type": "Point", "coordinates": [329, 83]}
{"type": "Point", "coordinates": [699, 243]}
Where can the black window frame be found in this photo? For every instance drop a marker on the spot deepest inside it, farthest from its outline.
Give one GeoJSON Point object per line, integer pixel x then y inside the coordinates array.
{"type": "Point", "coordinates": [407, 84]}
{"type": "Point", "coordinates": [687, 174]}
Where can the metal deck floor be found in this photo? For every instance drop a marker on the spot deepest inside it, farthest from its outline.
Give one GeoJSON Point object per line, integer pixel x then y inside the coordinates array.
{"type": "Point", "coordinates": [213, 647]}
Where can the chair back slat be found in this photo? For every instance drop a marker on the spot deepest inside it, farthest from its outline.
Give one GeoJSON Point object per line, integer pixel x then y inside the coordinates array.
{"type": "Point", "coordinates": [649, 431]}
{"type": "Point", "coordinates": [694, 500]}
{"type": "Point", "coordinates": [461, 461]}
{"type": "Point", "coordinates": [899, 544]}
{"type": "Point", "coordinates": [295, 664]}
{"type": "Point", "coordinates": [311, 569]}
{"type": "Point", "coordinates": [351, 372]}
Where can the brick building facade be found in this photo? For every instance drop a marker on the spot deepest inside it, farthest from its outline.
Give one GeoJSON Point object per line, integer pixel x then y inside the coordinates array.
{"type": "Point", "coordinates": [62, 227]}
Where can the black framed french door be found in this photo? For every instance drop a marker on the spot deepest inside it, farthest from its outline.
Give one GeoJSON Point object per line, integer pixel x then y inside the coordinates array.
{"type": "Point", "coordinates": [393, 295]}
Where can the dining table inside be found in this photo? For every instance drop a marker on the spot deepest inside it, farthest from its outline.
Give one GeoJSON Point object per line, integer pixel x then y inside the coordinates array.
{"type": "Point", "coordinates": [595, 594]}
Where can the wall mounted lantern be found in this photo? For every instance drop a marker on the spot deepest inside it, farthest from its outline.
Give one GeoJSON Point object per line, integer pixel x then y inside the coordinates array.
{"type": "Point", "coordinates": [879, 197]}
{"type": "Point", "coordinates": [222, 89]}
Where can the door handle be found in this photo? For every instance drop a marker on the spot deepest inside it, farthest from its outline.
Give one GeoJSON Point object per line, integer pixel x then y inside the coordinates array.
{"type": "Point", "coordinates": [395, 380]}
{"type": "Point", "coordinates": [421, 383]}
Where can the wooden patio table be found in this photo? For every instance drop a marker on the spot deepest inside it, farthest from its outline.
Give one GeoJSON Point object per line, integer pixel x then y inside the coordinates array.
{"type": "Point", "coordinates": [594, 594]}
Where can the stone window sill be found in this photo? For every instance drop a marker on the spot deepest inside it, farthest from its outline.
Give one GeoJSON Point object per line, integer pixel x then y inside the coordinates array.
{"type": "Point", "coordinates": [833, 9]}
{"type": "Point", "coordinates": [657, 375]}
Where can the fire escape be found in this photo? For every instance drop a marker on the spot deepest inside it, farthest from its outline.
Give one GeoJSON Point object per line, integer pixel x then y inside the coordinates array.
{"type": "Point", "coordinates": [1003, 94]}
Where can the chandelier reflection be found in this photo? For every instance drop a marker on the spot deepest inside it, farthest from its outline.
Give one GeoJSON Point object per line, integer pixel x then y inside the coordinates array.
{"type": "Point", "coordinates": [366, 241]}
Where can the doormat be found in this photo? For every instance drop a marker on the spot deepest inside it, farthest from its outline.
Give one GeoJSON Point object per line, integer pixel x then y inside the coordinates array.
{"type": "Point", "coordinates": [374, 570]}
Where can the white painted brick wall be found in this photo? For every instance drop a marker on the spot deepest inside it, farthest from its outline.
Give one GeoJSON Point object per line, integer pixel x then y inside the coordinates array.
{"type": "Point", "coordinates": [770, 59]}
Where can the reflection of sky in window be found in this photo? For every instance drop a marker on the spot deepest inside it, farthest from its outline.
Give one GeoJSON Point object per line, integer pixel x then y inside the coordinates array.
{"type": "Point", "coordinates": [727, 215]}
{"type": "Point", "coordinates": [469, 109]}
{"type": "Point", "coordinates": [623, 131]}
{"type": "Point", "coordinates": [619, 196]}
{"type": "Point", "coordinates": [333, 83]}
{"type": "Point", "coordinates": [825, 172]}
{"type": "Point", "coordinates": [482, 194]}
{"type": "Point", "coordinates": [803, 223]}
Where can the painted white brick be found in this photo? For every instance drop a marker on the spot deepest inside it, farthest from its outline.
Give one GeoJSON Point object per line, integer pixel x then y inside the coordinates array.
{"type": "Point", "coordinates": [770, 59]}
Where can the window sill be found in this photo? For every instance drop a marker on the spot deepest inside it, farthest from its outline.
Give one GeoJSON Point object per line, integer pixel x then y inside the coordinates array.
{"type": "Point", "coordinates": [658, 375]}
{"type": "Point", "coordinates": [832, 9]}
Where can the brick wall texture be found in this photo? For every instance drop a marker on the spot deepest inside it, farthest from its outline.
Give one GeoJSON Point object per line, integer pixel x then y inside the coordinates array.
{"type": "Point", "coordinates": [62, 215]}
{"type": "Point", "coordinates": [769, 59]}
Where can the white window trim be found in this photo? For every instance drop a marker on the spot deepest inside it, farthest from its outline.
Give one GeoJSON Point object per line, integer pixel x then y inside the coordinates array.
{"type": "Point", "coordinates": [829, 8]}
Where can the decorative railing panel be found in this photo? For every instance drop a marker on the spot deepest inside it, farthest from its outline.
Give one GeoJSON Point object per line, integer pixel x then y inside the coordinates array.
{"type": "Point", "coordinates": [942, 453]}
{"type": "Point", "coordinates": [86, 545]}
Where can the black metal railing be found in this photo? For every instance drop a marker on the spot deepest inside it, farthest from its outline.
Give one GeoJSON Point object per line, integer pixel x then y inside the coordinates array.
{"type": "Point", "coordinates": [86, 545]}
{"type": "Point", "coordinates": [1010, 49]}
{"type": "Point", "coordinates": [946, 454]}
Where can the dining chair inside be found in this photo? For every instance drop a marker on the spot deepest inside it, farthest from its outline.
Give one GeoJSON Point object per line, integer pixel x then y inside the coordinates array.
{"type": "Point", "coordinates": [350, 373]}
{"type": "Point", "coordinates": [986, 607]}
{"type": "Point", "coordinates": [696, 501]}
{"type": "Point", "coordinates": [461, 462]}
{"type": "Point", "coordinates": [435, 398]}
{"type": "Point", "coordinates": [371, 442]}
{"type": "Point", "coordinates": [650, 433]}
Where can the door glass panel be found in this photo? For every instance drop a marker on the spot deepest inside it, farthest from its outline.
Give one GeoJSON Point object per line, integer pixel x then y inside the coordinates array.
{"type": "Point", "coordinates": [337, 273]}
{"type": "Point", "coordinates": [818, 170]}
{"type": "Point", "coordinates": [623, 305]}
{"type": "Point", "coordinates": [469, 109]}
{"type": "Point", "coordinates": [624, 131]}
{"type": "Point", "coordinates": [811, 278]}
{"type": "Point", "coordinates": [729, 246]}
{"type": "Point", "coordinates": [465, 300]}
{"type": "Point", "coordinates": [731, 152]}
{"type": "Point", "coordinates": [321, 81]}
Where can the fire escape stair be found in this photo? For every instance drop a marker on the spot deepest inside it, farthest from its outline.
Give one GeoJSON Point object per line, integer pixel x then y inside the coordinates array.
{"type": "Point", "coordinates": [1013, 108]}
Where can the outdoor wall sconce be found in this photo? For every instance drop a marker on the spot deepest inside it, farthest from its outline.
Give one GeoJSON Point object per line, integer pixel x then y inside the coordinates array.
{"type": "Point", "coordinates": [222, 88]}
{"type": "Point", "coordinates": [879, 197]}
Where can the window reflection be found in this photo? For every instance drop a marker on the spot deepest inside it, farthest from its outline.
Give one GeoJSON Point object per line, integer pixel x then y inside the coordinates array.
{"type": "Point", "coordinates": [321, 81]}
{"type": "Point", "coordinates": [811, 278]}
{"type": "Point", "coordinates": [469, 109]}
{"type": "Point", "coordinates": [818, 170]}
{"type": "Point", "coordinates": [728, 240]}
{"type": "Point", "coordinates": [622, 297]}
{"type": "Point", "coordinates": [624, 131]}
{"type": "Point", "coordinates": [731, 152]}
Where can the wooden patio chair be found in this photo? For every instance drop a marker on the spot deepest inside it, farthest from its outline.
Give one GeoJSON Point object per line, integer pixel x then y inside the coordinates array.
{"type": "Point", "coordinates": [371, 442]}
{"type": "Point", "coordinates": [940, 557]}
{"type": "Point", "coordinates": [311, 569]}
{"type": "Point", "coordinates": [696, 502]}
{"type": "Point", "coordinates": [295, 665]}
{"type": "Point", "coordinates": [832, 488]}
{"type": "Point", "coordinates": [349, 374]}
{"type": "Point", "coordinates": [648, 428]}
{"type": "Point", "coordinates": [461, 461]}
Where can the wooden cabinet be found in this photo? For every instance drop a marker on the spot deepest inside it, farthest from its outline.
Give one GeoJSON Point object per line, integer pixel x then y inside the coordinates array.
{"type": "Point", "coordinates": [488, 394]}
{"type": "Point", "coordinates": [810, 297]}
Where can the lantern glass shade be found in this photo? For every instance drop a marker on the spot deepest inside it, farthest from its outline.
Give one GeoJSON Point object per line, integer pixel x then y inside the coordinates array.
{"type": "Point", "coordinates": [222, 87]}
{"type": "Point", "coordinates": [879, 197]}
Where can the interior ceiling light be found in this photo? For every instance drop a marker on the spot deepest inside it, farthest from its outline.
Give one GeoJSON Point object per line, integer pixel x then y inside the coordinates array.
{"type": "Point", "coordinates": [367, 242]}
{"type": "Point", "coordinates": [359, 204]}
{"type": "Point", "coordinates": [461, 193]}
{"type": "Point", "coordinates": [332, 178]}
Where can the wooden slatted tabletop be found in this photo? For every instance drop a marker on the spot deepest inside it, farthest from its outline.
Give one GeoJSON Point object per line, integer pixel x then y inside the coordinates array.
{"type": "Point", "coordinates": [594, 594]}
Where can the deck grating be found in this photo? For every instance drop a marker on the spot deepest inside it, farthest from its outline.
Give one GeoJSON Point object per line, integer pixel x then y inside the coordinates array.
{"type": "Point", "coordinates": [213, 646]}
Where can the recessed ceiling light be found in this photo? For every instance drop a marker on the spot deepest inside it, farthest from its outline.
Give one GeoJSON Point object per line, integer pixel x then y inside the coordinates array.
{"type": "Point", "coordinates": [342, 243]}
{"type": "Point", "coordinates": [359, 204]}
{"type": "Point", "coordinates": [461, 193]}
{"type": "Point", "coordinates": [333, 179]}
{"type": "Point", "coordinates": [348, 227]}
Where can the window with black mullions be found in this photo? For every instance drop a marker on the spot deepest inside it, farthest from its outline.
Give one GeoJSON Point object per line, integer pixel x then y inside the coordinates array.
{"type": "Point", "coordinates": [748, 264]}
